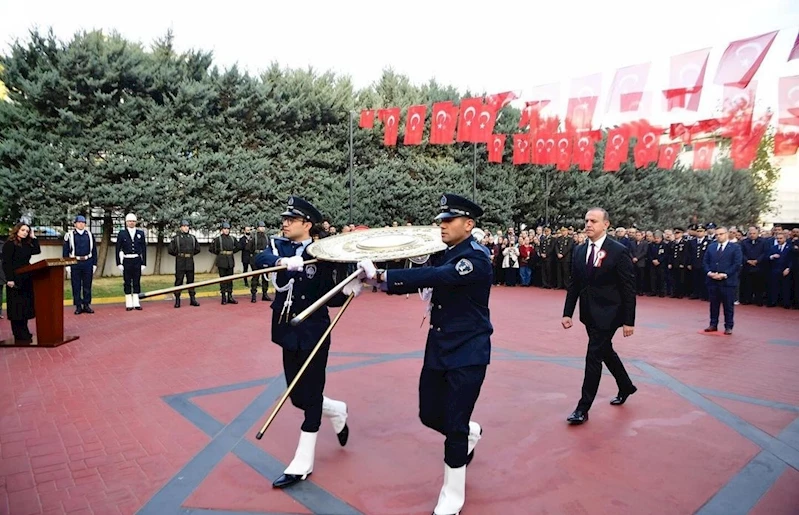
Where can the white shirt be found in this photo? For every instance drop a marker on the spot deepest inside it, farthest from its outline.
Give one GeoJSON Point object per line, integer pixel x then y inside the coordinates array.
{"type": "Point", "coordinates": [721, 246]}
{"type": "Point", "coordinates": [132, 232]}
{"type": "Point", "coordinates": [598, 245]}
{"type": "Point", "coordinates": [301, 248]}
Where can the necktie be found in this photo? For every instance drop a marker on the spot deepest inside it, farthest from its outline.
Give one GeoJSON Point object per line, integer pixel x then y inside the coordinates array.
{"type": "Point", "coordinates": [589, 266]}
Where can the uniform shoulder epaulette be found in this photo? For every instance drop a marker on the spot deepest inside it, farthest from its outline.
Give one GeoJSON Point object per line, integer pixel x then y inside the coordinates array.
{"type": "Point", "coordinates": [481, 248]}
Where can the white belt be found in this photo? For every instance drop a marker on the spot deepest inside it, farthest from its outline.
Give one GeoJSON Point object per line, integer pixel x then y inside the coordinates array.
{"type": "Point", "coordinates": [130, 255]}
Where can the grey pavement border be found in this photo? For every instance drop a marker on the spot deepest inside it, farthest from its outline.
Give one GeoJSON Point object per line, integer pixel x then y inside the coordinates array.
{"type": "Point", "coordinates": [779, 341]}
{"type": "Point", "coordinates": [744, 489]}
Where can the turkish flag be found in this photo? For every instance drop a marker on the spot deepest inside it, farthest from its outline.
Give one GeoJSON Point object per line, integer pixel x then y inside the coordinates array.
{"type": "Point", "coordinates": [788, 101]}
{"type": "Point", "coordinates": [484, 126]}
{"type": "Point", "coordinates": [496, 148]}
{"type": "Point", "coordinates": [668, 155]}
{"type": "Point", "coordinates": [499, 100]}
{"type": "Point", "coordinates": [686, 76]}
{"type": "Point", "coordinates": [367, 120]}
{"type": "Point", "coordinates": [584, 149]}
{"type": "Point", "coordinates": [627, 89]}
{"type": "Point", "coordinates": [470, 109]}
{"type": "Point", "coordinates": [563, 151]}
{"type": "Point", "coordinates": [742, 59]}
{"type": "Point", "coordinates": [390, 118]}
{"type": "Point", "coordinates": [442, 124]}
{"type": "Point", "coordinates": [786, 140]}
{"type": "Point", "coordinates": [647, 145]}
{"type": "Point", "coordinates": [583, 100]}
{"type": "Point", "coordinates": [540, 99]}
{"type": "Point", "coordinates": [539, 148]}
{"type": "Point", "coordinates": [738, 108]}
{"type": "Point", "coordinates": [795, 50]}
{"type": "Point", "coordinates": [616, 148]}
{"type": "Point", "coordinates": [414, 125]}
{"type": "Point", "coordinates": [744, 146]}
{"type": "Point", "coordinates": [703, 154]}
{"type": "Point", "coordinates": [521, 149]}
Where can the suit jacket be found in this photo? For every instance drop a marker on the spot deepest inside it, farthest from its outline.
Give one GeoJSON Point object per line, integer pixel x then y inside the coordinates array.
{"type": "Point", "coordinates": [606, 295]}
{"type": "Point", "coordinates": [728, 262]}
{"type": "Point", "coordinates": [776, 266]}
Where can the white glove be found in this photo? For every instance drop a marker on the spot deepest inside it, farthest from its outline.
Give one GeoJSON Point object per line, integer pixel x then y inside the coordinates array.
{"type": "Point", "coordinates": [353, 286]}
{"type": "Point", "coordinates": [293, 264]}
{"type": "Point", "coordinates": [121, 268]}
{"type": "Point", "coordinates": [69, 272]}
{"type": "Point", "coordinates": [368, 269]}
{"type": "Point", "coordinates": [94, 269]}
{"type": "Point", "coordinates": [142, 268]}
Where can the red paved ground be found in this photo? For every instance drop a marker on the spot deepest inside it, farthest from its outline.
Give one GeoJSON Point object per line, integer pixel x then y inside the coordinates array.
{"type": "Point", "coordinates": [84, 428]}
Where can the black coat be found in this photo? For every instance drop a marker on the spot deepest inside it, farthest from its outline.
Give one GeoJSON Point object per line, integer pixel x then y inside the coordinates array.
{"type": "Point", "coordinates": [20, 297]}
{"type": "Point", "coordinates": [607, 296]}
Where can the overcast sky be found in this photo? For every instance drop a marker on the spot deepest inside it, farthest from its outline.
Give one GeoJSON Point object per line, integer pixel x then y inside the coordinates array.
{"type": "Point", "coordinates": [484, 46]}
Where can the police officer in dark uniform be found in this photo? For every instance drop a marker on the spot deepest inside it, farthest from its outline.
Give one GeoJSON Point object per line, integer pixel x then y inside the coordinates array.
{"type": "Point", "coordinates": [184, 247]}
{"type": "Point", "coordinates": [678, 261]}
{"type": "Point", "coordinates": [224, 246]}
{"type": "Point", "coordinates": [255, 245]}
{"type": "Point", "coordinates": [298, 287]}
{"type": "Point", "coordinates": [458, 347]}
{"type": "Point", "coordinates": [563, 256]}
{"type": "Point", "coordinates": [131, 257]}
{"type": "Point", "coordinates": [79, 244]}
{"type": "Point", "coordinates": [698, 246]}
{"type": "Point", "coordinates": [658, 261]}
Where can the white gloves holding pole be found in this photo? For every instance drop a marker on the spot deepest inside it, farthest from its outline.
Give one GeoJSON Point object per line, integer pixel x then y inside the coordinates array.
{"type": "Point", "coordinates": [368, 271]}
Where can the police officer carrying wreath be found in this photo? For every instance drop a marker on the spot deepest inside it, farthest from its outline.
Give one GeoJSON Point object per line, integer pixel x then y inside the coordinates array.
{"type": "Point", "coordinates": [184, 247]}
{"type": "Point", "coordinates": [79, 244]}
{"type": "Point", "coordinates": [224, 246]}
{"type": "Point", "coordinates": [458, 346]}
{"type": "Point", "coordinates": [298, 287]}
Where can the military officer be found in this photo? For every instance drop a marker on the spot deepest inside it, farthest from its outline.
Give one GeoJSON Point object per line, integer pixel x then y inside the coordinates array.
{"type": "Point", "coordinates": [79, 244]}
{"type": "Point", "coordinates": [678, 261]}
{"type": "Point", "coordinates": [458, 348]}
{"type": "Point", "coordinates": [563, 250]}
{"type": "Point", "coordinates": [255, 245]}
{"type": "Point", "coordinates": [224, 246]}
{"type": "Point", "coordinates": [698, 247]}
{"type": "Point", "coordinates": [658, 261]}
{"type": "Point", "coordinates": [131, 257]}
{"type": "Point", "coordinates": [297, 288]}
{"type": "Point", "coordinates": [184, 247]}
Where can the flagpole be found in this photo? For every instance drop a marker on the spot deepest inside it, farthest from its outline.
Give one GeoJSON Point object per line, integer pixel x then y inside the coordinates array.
{"type": "Point", "coordinates": [351, 166]}
{"type": "Point", "coordinates": [474, 174]}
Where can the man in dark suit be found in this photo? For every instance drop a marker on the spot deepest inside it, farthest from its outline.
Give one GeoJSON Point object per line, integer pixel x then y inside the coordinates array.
{"type": "Point", "coordinates": [722, 264]}
{"type": "Point", "coordinates": [603, 279]}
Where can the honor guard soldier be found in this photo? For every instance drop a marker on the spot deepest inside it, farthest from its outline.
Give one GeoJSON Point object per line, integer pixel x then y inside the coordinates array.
{"type": "Point", "coordinates": [131, 256]}
{"type": "Point", "coordinates": [79, 244]}
{"type": "Point", "coordinates": [297, 288]}
{"type": "Point", "coordinates": [224, 246]}
{"type": "Point", "coordinates": [184, 247]}
{"type": "Point", "coordinates": [458, 348]}
{"type": "Point", "coordinates": [255, 246]}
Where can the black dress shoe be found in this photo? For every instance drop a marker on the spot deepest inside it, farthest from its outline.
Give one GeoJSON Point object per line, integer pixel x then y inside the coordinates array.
{"type": "Point", "coordinates": [711, 329]}
{"type": "Point", "coordinates": [621, 397]}
{"type": "Point", "coordinates": [578, 417]}
{"type": "Point", "coordinates": [138, 308]}
{"type": "Point", "coordinates": [78, 310]}
{"type": "Point", "coordinates": [287, 480]}
{"type": "Point", "coordinates": [344, 435]}
{"type": "Point", "coordinates": [728, 331]}
{"type": "Point", "coordinates": [88, 309]}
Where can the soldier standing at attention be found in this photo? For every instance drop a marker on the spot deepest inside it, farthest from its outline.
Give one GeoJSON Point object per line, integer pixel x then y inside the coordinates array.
{"type": "Point", "coordinates": [79, 244]}
{"type": "Point", "coordinates": [458, 347]}
{"type": "Point", "coordinates": [224, 246]}
{"type": "Point", "coordinates": [255, 246]}
{"type": "Point", "coordinates": [246, 255]}
{"type": "Point", "coordinates": [184, 247]}
{"type": "Point", "coordinates": [131, 256]}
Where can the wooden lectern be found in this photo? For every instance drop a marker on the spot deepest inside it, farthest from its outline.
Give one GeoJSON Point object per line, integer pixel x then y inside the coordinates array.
{"type": "Point", "coordinates": [48, 298]}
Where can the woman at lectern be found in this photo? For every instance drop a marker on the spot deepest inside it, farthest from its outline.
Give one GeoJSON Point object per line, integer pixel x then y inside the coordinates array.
{"type": "Point", "coordinates": [17, 252]}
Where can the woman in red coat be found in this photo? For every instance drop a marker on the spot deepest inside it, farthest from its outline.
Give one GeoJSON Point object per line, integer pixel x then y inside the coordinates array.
{"type": "Point", "coordinates": [17, 252]}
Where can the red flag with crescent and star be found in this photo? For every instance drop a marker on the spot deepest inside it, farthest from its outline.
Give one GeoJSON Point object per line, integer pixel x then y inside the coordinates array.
{"type": "Point", "coordinates": [627, 89]}
{"type": "Point", "coordinates": [583, 100]}
{"type": "Point", "coordinates": [584, 149]}
{"type": "Point", "coordinates": [647, 146]}
{"type": "Point", "coordinates": [668, 155]}
{"type": "Point", "coordinates": [742, 59]}
{"type": "Point", "coordinates": [467, 123]}
{"type": "Point", "coordinates": [390, 118]}
{"type": "Point", "coordinates": [521, 149]}
{"type": "Point", "coordinates": [367, 120]}
{"type": "Point", "coordinates": [496, 148]}
{"type": "Point", "coordinates": [616, 148]}
{"type": "Point", "coordinates": [686, 76]}
{"type": "Point", "coordinates": [703, 154]}
{"type": "Point", "coordinates": [414, 125]}
{"type": "Point", "coordinates": [442, 123]}
{"type": "Point", "coordinates": [788, 100]}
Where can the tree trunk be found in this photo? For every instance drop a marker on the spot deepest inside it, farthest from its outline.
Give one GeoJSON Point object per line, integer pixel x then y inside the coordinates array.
{"type": "Point", "coordinates": [159, 247]}
{"type": "Point", "coordinates": [105, 242]}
